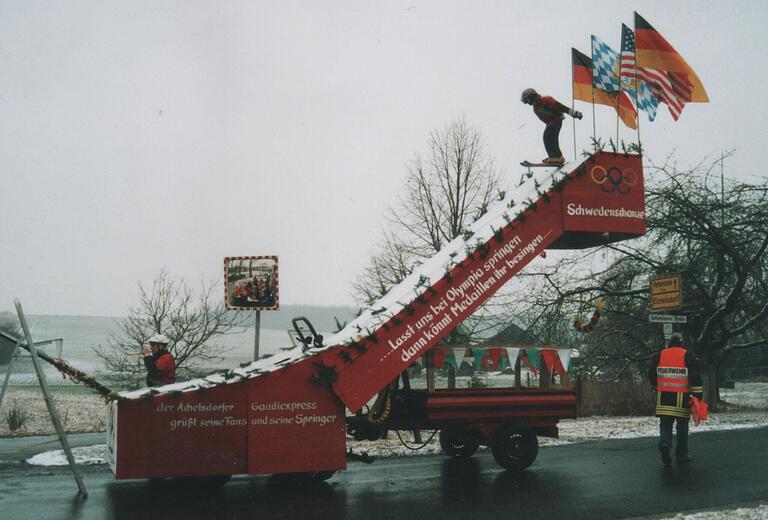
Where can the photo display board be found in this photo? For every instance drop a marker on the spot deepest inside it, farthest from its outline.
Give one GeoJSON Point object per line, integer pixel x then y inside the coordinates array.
{"type": "Point", "coordinates": [251, 283]}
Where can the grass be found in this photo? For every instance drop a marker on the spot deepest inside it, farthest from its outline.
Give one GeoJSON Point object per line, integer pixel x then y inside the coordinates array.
{"type": "Point", "coordinates": [56, 389]}
{"type": "Point", "coordinates": [16, 417]}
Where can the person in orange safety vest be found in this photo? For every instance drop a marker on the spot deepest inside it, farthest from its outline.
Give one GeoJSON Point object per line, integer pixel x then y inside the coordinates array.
{"type": "Point", "coordinates": [675, 374]}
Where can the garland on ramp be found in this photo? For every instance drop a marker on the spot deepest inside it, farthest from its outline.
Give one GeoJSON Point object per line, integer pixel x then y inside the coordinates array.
{"type": "Point", "coordinates": [78, 376]}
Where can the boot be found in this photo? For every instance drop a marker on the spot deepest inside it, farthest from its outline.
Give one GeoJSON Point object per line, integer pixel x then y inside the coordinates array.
{"type": "Point", "coordinates": [685, 459]}
{"type": "Point", "coordinates": [665, 458]}
{"type": "Point", "coordinates": [557, 161]}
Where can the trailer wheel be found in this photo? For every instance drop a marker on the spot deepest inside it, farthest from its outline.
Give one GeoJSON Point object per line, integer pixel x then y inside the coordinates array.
{"type": "Point", "coordinates": [460, 444]}
{"type": "Point", "coordinates": [321, 476]}
{"type": "Point", "coordinates": [515, 446]}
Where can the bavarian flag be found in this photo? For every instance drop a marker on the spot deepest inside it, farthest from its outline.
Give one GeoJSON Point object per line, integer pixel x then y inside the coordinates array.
{"type": "Point", "coordinates": [584, 91]}
{"type": "Point", "coordinates": [654, 52]}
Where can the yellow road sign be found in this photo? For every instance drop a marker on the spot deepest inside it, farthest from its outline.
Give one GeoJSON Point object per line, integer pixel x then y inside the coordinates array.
{"type": "Point", "coordinates": [665, 293]}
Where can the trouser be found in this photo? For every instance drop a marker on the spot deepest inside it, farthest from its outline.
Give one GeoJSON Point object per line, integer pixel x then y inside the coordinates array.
{"type": "Point", "coordinates": [665, 434]}
{"type": "Point", "coordinates": [552, 139]}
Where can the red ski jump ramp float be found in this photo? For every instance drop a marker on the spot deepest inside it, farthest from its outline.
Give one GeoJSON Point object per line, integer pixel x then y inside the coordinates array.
{"type": "Point", "coordinates": [286, 413]}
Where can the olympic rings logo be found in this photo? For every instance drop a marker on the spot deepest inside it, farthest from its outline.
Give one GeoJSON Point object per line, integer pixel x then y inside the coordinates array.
{"type": "Point", "coordinates": [614, 179]}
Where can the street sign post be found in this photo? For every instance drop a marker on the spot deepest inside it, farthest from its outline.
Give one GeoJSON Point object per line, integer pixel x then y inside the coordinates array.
{"type": "Point", "coordinates": [665, 293]}
{"type": "Point", "coordinates": [667, 330]}
{"type": "Point", "coordinates": [667, 318]}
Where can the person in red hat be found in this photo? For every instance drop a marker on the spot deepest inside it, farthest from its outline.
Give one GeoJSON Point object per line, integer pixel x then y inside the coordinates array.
{"type": "Point", "coordinates": [675, 374]}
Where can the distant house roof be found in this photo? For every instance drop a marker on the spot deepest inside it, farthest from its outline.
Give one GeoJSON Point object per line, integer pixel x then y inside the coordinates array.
{"type": "Point", "coordinates": [512, 334]}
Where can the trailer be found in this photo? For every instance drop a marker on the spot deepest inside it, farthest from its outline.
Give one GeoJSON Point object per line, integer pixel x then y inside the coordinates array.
{"type": "Point", "coordinates": [291, 412]}
{"type": "Point", "coordinates": [504, 416]}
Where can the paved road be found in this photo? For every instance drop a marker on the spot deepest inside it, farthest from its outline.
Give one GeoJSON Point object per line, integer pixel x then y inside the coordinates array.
{"type": "Point", "coordinates": [606, 479]}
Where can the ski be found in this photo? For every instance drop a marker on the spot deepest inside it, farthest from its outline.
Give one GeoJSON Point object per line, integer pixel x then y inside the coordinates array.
{"type": "Point", "coordinates": [528, 164]}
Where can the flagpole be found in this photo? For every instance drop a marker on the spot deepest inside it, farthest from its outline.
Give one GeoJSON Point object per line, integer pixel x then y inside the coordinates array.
{"type": "Point", "coordinates": [618, 109]}
{"type": "Point", "coordinates": [573, 105]}
{"type": "Point", "coordinates": [637, 81]}
{"type": "Point", "coordinates": [637, 104]}
{"type": "Point", "coordinates": [594, 126]}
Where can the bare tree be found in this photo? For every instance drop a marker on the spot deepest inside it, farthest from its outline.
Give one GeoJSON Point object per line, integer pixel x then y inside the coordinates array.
{"type": "Point", "coordinates": [445, 190]}
{"type": "Point", "coordinates": [714, 236]}
{"type": "Point", "coordinates": [192, 320]}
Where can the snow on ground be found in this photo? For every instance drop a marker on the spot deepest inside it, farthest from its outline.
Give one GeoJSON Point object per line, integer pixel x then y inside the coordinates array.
{"type": "Point", "coordinates": [743, 513]}
{"type": "Point", "coordinates": [751, 395]}
{"type": "Point", "coordinates": [87, 455]}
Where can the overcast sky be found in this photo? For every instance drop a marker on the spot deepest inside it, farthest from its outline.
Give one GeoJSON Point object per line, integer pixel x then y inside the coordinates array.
{"type": "Point", "coordinates": [142, 135]}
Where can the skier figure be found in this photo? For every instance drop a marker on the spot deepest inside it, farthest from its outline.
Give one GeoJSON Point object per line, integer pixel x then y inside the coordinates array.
{"type": "Point", "coordinates": [550, 111]}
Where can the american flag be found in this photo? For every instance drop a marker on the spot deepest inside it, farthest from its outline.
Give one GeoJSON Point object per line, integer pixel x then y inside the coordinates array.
{"type": "Point", "coordinates": [628, 73]}
{"type": "Point", "coordinates": [672, 88]}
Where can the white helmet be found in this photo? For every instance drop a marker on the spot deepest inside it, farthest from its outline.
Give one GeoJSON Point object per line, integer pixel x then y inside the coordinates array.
{"type": "Point", "coordinates": [159, 338]}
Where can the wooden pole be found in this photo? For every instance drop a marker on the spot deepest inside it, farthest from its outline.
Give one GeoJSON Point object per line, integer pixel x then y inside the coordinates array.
{"type": "Point", "coordinates": [430, 371]}
{"type": "Point", "coordinates": [256, 334]}
{"type": "Point", "coordinates": [49, 401]}
{"type": "Point", "coordinates": [573, 107]}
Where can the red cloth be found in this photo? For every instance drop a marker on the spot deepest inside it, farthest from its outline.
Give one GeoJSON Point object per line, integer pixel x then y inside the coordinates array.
{"type": "Point", "coordinates": [552, 361]}
{"type": "Point", "coordinates": [438, 356]}
{"type": "Point", "coordinates": [699, 410]}
{"type": "Point", "coordinates": [492, 357]}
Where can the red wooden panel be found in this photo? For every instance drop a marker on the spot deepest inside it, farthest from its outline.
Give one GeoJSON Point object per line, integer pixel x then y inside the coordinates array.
{"type": "Point", "coordinates": [555, 413]}
{"type": "Point", "coordinates": [608, 196]}
{"type": "Point", "coordinates": [188, 455]}
{"type": "Point", "coordinates": [231, 467]}
{"type": "Point", "coordinates": [294, 424]}
{"type": "Point", "coordinates": [472, 282]}
{"type": "Point", "coordinates": [499, 401]}
{"type": "Point", "coordinates": [193, 433]}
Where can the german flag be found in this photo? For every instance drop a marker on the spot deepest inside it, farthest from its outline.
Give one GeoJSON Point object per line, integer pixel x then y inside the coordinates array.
{"type": "Point", "coordinates": [582, 76]}
{"type": "Point", "coordinates": [584, 91]}
{"type": "Point", "coordinates": [654, 52]}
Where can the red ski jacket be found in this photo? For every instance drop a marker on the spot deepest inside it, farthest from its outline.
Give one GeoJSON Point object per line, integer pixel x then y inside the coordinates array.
{"type": "Point", "coordinates": [161, 368]}
{"type": "Point", "coordinates": [549, 110]}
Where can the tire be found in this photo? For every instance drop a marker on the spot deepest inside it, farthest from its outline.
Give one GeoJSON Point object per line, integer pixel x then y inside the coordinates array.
{"type": "Point", "coordinates": [515, 446]}
{"type": "Point", "coordinates": [460, 444]}
{"type": "Point", "coordinates": [322, 476]}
